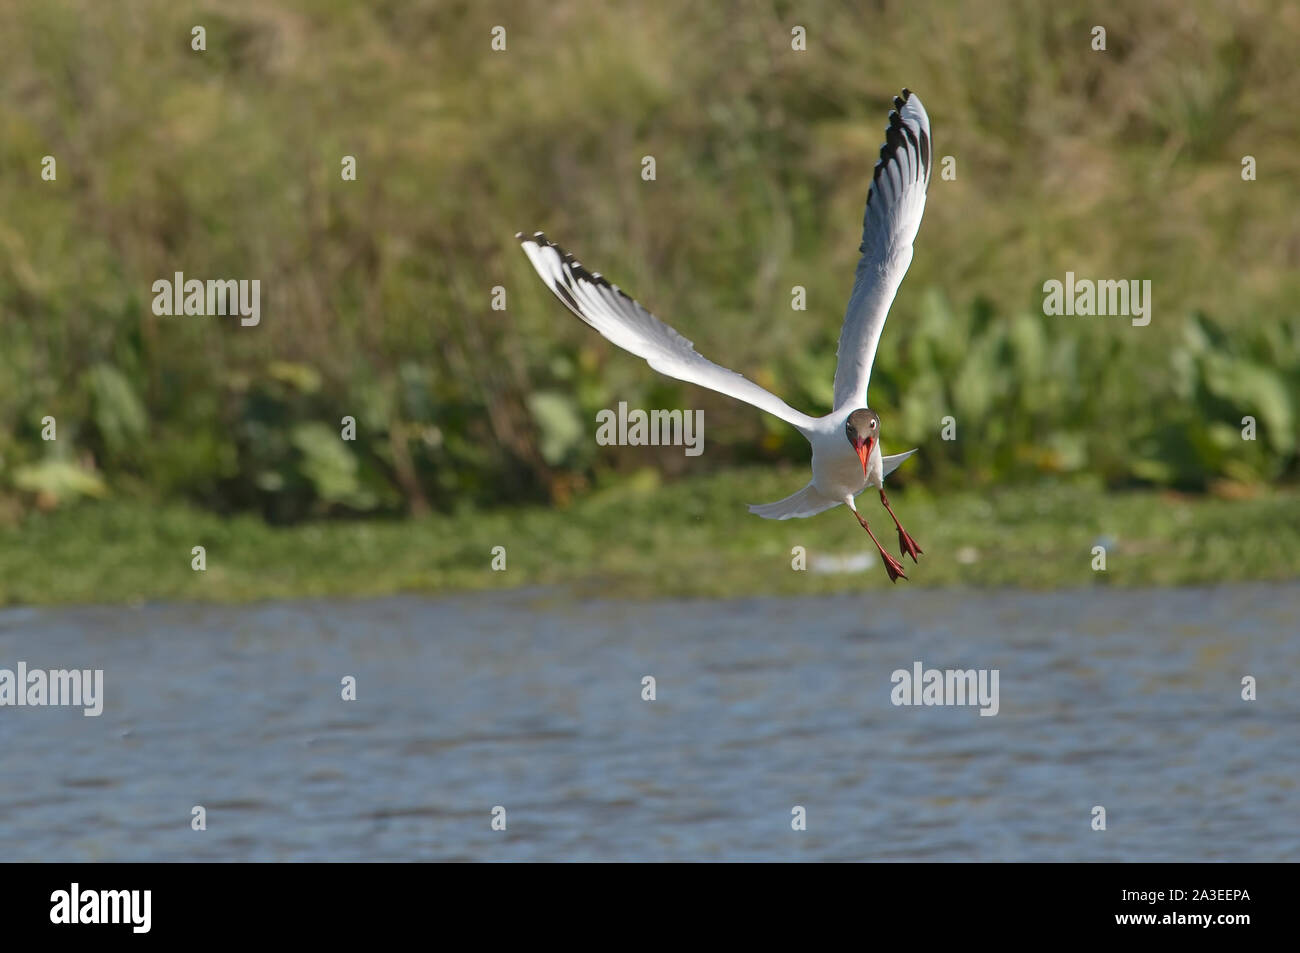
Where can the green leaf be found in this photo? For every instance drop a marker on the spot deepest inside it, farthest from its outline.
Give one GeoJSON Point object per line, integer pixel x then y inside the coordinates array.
{"type": "Point", "coordinates": [330, 466]}
{"type": "Point", "coordinates": [1254, 389]}
{"type": "Point", "coordinates": [59, 479]}
{"type": "Point", "coordinates": [119, 415]}
{"type": "Point", "coordinates": [560, 424]}
{"type": "Point", "coordinates": [304, 379]}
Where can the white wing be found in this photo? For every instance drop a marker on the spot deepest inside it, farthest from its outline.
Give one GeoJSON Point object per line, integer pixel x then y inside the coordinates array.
{"type": "Point", "coordinates": [891, 463]}
{"type": "Point", "coordinates": [895, 204]}
{"type": "Point", "coordinates": [624, 322]}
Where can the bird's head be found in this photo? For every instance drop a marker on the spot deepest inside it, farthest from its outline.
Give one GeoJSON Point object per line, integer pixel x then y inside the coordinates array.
{"type": "Point", "coordinates": [863, 430]}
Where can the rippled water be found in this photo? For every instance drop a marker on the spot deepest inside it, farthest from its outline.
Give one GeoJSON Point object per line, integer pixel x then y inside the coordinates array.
{"type": "Point", "coordinates": [1126, 699]}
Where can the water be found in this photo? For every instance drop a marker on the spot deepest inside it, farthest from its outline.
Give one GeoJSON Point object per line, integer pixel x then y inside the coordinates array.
{"type": "Point", "coordinates": [1126, 699]}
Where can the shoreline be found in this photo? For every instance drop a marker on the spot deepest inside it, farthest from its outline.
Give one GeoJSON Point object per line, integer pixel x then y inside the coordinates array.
{"type": "Point", "coordinates": [637, 539]}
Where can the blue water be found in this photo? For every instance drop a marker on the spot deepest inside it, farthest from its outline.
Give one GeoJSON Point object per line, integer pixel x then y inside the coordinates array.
{"type": "Point", "coordinates": [1126, 699]}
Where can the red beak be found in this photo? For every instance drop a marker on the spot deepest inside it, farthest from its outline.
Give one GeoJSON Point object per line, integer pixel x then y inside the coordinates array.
{"type": "Point", "coordinates": [864, 452]}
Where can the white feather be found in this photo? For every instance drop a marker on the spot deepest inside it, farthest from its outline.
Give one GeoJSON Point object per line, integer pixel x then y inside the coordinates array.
{"type": "Point", "coordinates": [626, 323]}
{"type": "Point", "coordinates": [895, 204]}
{"type": "Point", "coordinates": [806, 502]}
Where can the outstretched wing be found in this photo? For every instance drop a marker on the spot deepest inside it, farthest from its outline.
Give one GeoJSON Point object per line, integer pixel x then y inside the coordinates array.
{"type": "Point", "coordinates": [895, 204]}
{"type": "Point", "coordinates": [624, 322]}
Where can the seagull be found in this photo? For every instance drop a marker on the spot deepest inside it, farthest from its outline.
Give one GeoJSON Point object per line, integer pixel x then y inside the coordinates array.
{"type": "Point", "coordinates": [846, 453]}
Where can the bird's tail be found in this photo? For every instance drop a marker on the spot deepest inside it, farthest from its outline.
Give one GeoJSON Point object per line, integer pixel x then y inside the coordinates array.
{"type": "Point", "coordinates": [807, 502]}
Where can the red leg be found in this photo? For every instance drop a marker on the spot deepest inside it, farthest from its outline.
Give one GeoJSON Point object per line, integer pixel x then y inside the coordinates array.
{"type": "Point", "coordinates": [906, 544]}
{"type": "Point", "coordinates": [892, 565]}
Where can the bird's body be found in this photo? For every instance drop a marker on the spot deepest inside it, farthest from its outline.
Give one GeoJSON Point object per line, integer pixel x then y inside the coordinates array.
{"type": "Point", "coordinates": [846, 453]}
{"type": "Point", "coordinates": [838, 474]}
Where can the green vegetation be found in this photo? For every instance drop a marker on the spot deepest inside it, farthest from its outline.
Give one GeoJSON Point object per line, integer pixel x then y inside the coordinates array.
{"type": "Point", "coordinates": [641, 539]}
{"type": "Point", "coordinates": [376, 293]}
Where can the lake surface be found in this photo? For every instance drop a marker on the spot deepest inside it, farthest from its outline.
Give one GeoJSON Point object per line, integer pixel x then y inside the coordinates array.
{"type": "Point", "coordinates": [1126, 699]}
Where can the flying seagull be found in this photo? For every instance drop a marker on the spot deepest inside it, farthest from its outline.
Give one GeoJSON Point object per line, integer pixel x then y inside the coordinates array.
{"type": "Point", "coordinates": [846, 456]}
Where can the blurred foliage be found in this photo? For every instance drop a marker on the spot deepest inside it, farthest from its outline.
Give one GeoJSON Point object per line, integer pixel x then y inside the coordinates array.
{"type": "Point", "coordinates": [376, 294]}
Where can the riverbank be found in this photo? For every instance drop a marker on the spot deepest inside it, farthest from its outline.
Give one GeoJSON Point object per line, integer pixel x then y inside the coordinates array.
{"type": "Point", "coordinates": [642, 539]}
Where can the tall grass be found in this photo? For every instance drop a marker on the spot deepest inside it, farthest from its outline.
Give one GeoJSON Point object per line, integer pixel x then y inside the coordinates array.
{"type": "Point", "coordinates": [376, 293]}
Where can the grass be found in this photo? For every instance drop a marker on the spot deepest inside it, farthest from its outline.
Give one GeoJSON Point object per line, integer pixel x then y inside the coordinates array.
{"type": "Point", "coordinates": [378, 292]}
{"type": "Point", "coordinates": [691, 538]}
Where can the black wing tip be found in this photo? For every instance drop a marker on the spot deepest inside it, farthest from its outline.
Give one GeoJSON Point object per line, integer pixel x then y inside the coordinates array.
{"type": "Point", "coordinates": [581, 271]}
{"type": "Point", "coordinates": [575, 267]}
{"type": "Point", "coordinates": [897, 134]}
